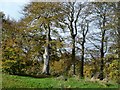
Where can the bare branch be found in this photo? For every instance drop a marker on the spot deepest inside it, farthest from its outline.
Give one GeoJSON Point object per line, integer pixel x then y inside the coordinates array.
{"type": "Point", "coordinates": [93, 44]}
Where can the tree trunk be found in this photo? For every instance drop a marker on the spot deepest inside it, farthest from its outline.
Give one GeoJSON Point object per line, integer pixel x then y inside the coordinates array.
{"type": "Point", "coordinates": [102, 62]}
{"type": "Point", "coordinates": [82, 61]}
{"type": "Point", "coordinates": [73, 55]}
{"type": "Point", "coordinates": [102, 51]}
{"type": "Point", "coordinates": [46, 55]}
{"type": "Point", "coordinates": [46, 61]}
{"type": "Point", "coordinates": [118, 29]}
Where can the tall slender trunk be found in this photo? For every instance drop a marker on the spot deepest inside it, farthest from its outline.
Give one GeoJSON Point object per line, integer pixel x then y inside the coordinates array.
{"type": "Point", "coordinates": [82, 60]}
{"type": "Point", "coordinates": [102, 56]}
{"type": "Point", "coordinates": [73, 55]}
{"type": "Point", "coordinates": [118, 29]}
{"type": "Point", "coordinates": [102, 50]}
{"type": "Point", "coordinates": [46, 55]}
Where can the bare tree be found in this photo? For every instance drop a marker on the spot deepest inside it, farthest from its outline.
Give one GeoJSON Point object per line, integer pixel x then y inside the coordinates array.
{"type": "Point", "coordinates": [103, 14]}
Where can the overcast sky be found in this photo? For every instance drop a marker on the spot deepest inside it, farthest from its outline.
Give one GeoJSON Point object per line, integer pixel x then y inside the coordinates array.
{"type": "Point", "coordinates": [12, 8]}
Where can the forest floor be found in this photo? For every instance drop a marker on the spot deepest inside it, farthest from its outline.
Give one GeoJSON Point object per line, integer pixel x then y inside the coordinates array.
{"type": "Point", "coordinates": [14, 81]}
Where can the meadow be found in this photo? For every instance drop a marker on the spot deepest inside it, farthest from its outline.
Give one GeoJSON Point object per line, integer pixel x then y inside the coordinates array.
{"type": "Point", "coordinates": [14, 81]}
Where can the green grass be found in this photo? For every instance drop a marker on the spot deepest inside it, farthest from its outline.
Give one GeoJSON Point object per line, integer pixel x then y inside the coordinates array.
{"type": "Point", "coordinates": [13, 81]}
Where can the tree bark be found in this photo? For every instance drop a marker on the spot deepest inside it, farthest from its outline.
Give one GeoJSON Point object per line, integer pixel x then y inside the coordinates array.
{"type": "Point", "coordinates": [102, 56]}
{"type": "Point", "coordinates": [118, 28]}
{"type": "Point", "coordinates": [73, 54]}
{"type": "Point", "coordinates": [46, 55]}
{"type": "Point", "coordinates": [84, 33]}
{"type": "Point", "coordinates": [46, 61]}
{"type": "Point", "coordinates": [82, 60]}
{"type": "Point", "coordinates": [102, 51]}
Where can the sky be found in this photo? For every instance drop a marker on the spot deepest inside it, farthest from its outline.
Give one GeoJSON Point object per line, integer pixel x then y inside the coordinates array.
{"type": "Point", "coordinates": [12, 8]}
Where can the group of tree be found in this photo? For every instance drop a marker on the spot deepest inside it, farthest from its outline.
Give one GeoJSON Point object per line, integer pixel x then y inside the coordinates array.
{"type": "Point", "coordinates": [63, 38]}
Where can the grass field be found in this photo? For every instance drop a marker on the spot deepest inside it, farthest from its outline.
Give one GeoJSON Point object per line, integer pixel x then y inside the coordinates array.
{"type": "Point", "coordinates": [13, 81]}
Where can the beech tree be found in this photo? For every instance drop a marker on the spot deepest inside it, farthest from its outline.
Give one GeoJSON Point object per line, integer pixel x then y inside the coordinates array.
{"type": "Point", "coordinates": [74, 11]}
{"type": "Point", "coordinates": [103, 18]}
{"type": "Point", "coordinates": [44, 15]}
{"type": "Point", "coordinates": [84, 31]}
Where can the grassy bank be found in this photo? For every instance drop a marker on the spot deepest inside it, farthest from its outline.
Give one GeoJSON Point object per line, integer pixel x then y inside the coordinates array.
{"type": "Point", "coordinates": [13, 81]}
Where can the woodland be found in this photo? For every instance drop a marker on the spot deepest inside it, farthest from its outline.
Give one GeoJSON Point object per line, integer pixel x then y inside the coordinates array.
{"type": "Point", "coordinates": [63, 40]}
